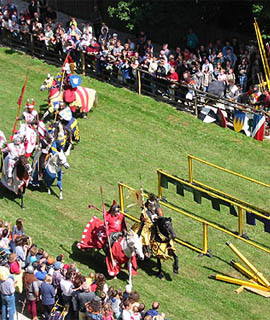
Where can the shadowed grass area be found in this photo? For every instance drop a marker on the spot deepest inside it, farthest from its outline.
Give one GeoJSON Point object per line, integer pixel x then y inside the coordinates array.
{"type": "Point", "coordinates": [127, 136]}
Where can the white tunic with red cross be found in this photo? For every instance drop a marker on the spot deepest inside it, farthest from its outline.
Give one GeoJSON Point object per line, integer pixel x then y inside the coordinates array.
{"type": "Point", "coordinates": [30, 116]}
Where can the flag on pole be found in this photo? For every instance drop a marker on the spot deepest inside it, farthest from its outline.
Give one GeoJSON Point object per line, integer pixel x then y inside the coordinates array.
{"type": "Point", "coordinates": [19, 102]}
{"type": "Point", "coordinates": [104, 217]}
{"type": "Point", "coordinates": [258, 127]}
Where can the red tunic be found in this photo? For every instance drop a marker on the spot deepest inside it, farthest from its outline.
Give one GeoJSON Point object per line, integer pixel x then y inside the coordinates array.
{"type": "Point", "coordinates": [114, 223]}
{"type": "Point", "coordinates": [119, 259]}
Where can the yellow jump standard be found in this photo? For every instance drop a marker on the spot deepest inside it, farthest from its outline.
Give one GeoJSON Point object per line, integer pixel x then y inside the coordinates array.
{"type": "Point", "coordinates": [249, 265]}
{"type": "Point", "coordinates": [239, 282]}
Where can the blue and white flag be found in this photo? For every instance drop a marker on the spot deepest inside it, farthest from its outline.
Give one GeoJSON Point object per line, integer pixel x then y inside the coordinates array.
{"type": "Point", "coordinates": [75, 80]}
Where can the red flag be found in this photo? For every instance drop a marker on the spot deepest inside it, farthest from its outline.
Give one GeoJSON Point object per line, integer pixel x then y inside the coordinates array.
{"type": "Point", "coordinates": [104, 217]}
{"type": "Point", "coordinates": [19, 102]}
{"type": "Point", "coordinates": [19, 108]}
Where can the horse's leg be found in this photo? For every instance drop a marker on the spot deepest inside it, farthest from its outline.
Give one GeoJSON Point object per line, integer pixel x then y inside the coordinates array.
{"type": "Point", "coordinates": [49, 190]}
{"type": "Point", "coordinates": [130, 272]}
{"type": "Point", "coordinates": [59, 184]}
{"type": "Point", "coordinates": [21, 196]}
{"type": "Point", "coordinates": [61, 194]}
{"type": "Point", "coordinates": [160, 273]}
{"type": "Point", "coordinates": [175, 263]}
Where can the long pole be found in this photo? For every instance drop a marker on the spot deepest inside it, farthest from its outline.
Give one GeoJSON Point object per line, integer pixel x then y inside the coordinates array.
{"type": "Point", "coordinates": [106, 229]}
{"type": "Point", "coordinates": [19, 102]}
{"type": "Point", "coordinates": [63, 71]}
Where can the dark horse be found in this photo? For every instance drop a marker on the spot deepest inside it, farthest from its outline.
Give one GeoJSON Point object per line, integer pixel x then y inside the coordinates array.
{"type": "Point", "coordinates": [20, 177]}
{"type": "Point", "coordinates": [162, 243]}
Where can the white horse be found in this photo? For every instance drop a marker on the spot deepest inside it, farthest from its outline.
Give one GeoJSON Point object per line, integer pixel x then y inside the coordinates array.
{"type": "Point", "coordinates": [53, 170]}
{"type": "Point", "coordinates": [20, 176]}
{"type": "Point", "coordinates": [123, 250]}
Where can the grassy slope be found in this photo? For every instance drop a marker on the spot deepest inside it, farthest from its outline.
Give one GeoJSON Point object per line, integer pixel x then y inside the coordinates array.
{"type": "Point", "coordinates": [124, 137]}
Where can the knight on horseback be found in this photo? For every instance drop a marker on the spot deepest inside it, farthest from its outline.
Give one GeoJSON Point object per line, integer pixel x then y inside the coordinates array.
{"type": "Point", "coordinates": [150, 213]}
{"type": "Point", "coordinates": [45, 144]}
{"type": "Point", "coordinates": [13, 151]}
{"type": "Point", "coordinates": [30, 116]}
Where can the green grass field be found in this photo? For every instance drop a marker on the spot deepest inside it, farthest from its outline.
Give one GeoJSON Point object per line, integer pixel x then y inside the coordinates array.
{"type": "Point", "coordinates": [127, 136]}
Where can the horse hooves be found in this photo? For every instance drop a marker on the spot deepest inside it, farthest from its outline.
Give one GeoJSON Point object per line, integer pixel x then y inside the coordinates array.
{"type": "Point", "coordinates": [161, 275]}
{"type": "Point", "coordinates": [175, 272]}
{"type": "Point", "coordinates": [60, 197]}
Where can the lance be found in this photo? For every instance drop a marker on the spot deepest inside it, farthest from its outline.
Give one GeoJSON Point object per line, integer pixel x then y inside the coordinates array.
{"type": "Point", "coordinates": [63, 71]}
{"type": "Point", "coordinates": [106, 229]}
{"type": "Point", "coordinates": [143, 206]}
{"type": "Point", "coordinates": [19, 102]}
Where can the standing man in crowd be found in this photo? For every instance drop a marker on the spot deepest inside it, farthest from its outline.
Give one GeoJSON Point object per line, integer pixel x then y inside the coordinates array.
{"type": "Point", "coordinates": [7, 289]}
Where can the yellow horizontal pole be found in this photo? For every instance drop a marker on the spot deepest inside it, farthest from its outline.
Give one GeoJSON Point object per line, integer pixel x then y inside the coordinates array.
{"type": "Point", "coordinates": [229, 171]}
{"type": "Point", "coordinates": [213, 194]}
{"type": "Point", "coordinates": [248, 264]}
{"type": "Point", "coordinates": [239, 201]}
{"type": "Point", "coordinates": [239, 282]}
{"type": "Point", "coordinates": [246, 272]}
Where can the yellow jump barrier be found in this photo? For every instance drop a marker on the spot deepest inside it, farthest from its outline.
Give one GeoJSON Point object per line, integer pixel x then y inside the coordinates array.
{"type": "Point", "coordinates": [248, 264]}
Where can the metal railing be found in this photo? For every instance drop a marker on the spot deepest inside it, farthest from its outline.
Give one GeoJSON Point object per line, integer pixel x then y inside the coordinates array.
{"type": "Point", "coordinates": [240, 209]}
{"type": "Point", "coordinates": [222, 193]}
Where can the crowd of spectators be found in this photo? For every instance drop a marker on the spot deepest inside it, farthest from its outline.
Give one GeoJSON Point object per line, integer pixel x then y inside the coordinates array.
{"type": "Point", "coordinates": [234, 64]}
{"type": "Point", "coordinates": [49, 285]}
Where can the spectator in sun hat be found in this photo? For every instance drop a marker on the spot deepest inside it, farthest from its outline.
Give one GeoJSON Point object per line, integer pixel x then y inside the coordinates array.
{"type": "Point", "coordinates": [7, 289]}
{"type": "Point", "coordinates": [14, 264]}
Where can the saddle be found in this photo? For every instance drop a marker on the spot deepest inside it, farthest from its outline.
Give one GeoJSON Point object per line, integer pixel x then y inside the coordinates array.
{"type": "Point", "coordinates": [114, 237]}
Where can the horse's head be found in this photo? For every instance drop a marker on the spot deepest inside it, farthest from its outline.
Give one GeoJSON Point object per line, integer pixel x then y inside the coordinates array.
{"type": "Point", "coordinates": [24, 168]}
{"type": "Point", "coordinates": [166, 227]}
{"type": "Point", "coordinates": [134, 242]}
{"type": "Point", "coordinates": [63, 159]}
{"type": "Point", "coordinates": [48, 83]}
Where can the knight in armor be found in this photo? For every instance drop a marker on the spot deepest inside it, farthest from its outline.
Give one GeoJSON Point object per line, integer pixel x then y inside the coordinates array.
{"type": "Point", "coordinates": [150, 212]}
{"type": "Point", "coordinates": [152, 207]}
{"type": "Point", "coordinates": [45, 145]}
{"type": "Point", "coordinates": [14, 150]}
{"type": "Point", "coordinates": [30, 116]}
{"type": "Point", "coordinates": [115, 220]}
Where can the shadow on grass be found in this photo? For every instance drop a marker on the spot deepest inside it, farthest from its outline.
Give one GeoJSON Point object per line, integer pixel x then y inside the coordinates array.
{"type": "Point", "coordinates": [150, 265]}
{"type": "Point", "coordinates": [42, 189]}
{"type": "Point", "coordinates": [9, 195]}
{"type": "Point", "coordinates": [12, 51]}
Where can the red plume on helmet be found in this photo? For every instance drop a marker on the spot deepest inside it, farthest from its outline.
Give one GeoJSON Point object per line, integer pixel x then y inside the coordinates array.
{"type": "Point", "coordinates": [30, 104]}
{"type": "Point", "coordinates": [114, 207]}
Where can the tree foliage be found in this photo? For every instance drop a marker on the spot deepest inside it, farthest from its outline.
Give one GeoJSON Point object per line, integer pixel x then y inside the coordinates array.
{"type": "Point", "coordinates": [131, 12]}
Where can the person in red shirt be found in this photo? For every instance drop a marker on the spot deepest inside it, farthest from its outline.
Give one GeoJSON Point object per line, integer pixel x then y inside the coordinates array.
{"type": "Point", "coordinates": [115, 219]}
{"type": "Point", "coordinates": [173, 78]}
